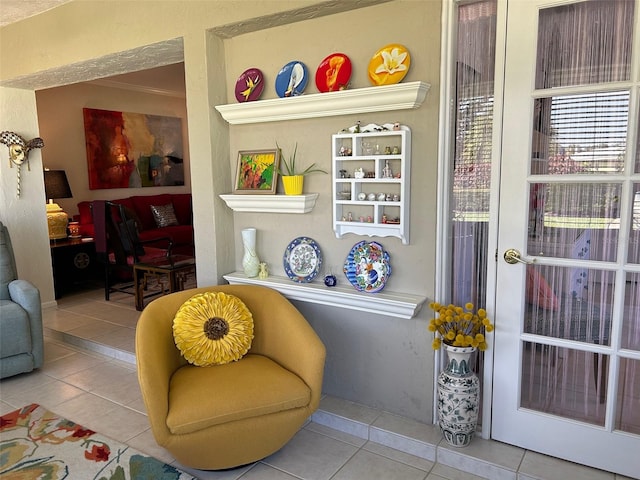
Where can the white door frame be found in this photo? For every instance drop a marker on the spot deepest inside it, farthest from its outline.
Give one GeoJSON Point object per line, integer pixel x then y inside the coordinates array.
{"type": "Point", "coordinates": [445, 153]}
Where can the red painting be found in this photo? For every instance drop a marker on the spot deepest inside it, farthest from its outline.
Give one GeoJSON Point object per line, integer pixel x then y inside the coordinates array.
{"type": "Point", "coordinates": [133, 150]}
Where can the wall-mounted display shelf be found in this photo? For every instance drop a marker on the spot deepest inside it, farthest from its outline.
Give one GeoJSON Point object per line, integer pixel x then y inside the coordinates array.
{"type": "Point", "coordinates": [400, 96]}
{"type": "Point", "coordinates": [271, 203]}
{"type": "Point", "coordinates": [371, 183]}
{"type": "Point", "coordinates": [385, 303]}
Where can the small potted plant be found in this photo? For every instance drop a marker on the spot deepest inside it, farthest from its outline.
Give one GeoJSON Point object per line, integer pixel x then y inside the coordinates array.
{"type": "Point", "coordinates": [292, 177]}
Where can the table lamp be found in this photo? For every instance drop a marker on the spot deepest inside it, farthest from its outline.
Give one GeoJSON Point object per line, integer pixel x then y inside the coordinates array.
{"type": "Point", "coordinates": [56, 185]}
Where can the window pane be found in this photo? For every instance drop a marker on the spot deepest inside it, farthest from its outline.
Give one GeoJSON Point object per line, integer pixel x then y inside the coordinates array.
{"type": "Point", "coordinates": [637, 170]}
{"type": "Point", "coordinates": [628, 413]}
{"type": "Point", "coordinates": [631, 316]}
{"type": "Point", "coordinates": [569, 303]}
{"type": "Point", "coordinates": [565, 382]}
{"type": "Point", "coordinates": [584, 43]}
{"type": "Point", "coordinates": [584, 134]}
{"type": "Point", "coordinates": [574, 220]}
{"type": "Point", "coordinates": [634, 231]}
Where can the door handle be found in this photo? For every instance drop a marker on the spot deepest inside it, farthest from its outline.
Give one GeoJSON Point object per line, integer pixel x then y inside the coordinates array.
{"type": "Point", "coordinates": [512, 256]}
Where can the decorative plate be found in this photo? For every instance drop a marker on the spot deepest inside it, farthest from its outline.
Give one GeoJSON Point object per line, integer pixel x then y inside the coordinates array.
{"type": "Point", "coordinates": [292, 79]}
{"type": "Point", "coordinates": [250, 85]}
{"type": "Point", "coordinates": [367, 267]}
{"type": "Point", "coordinates": [302, 260]}
{"type": "Point", "coordinates": [389, 65]}
{"type": "Point", "coordinates": [333, 73]}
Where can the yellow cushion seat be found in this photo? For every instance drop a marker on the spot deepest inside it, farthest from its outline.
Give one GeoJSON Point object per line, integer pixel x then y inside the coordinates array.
{"type": "Point", "coordinates": [261, 387]}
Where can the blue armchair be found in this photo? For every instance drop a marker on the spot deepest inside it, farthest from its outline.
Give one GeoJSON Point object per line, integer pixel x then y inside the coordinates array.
{"type": "Point", "coordinates": [21, 335]}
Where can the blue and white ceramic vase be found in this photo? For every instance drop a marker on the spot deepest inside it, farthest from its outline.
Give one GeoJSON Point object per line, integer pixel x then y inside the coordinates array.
{"type": "Point", "coordinates": [458, 397]}
{"type": "Point", "coordinates": [250, 260]}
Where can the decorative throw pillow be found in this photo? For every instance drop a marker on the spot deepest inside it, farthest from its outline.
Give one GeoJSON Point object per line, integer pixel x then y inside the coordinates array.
{"type": "Point", "coordinates": [213, 328]}
{"type": "Point", "coordinates": [164, 215]}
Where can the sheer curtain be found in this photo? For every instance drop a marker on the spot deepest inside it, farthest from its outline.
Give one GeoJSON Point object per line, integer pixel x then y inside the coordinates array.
{"type": "Point", "coordinates": [475, 64]}
{"type": "Point", "coordinates": [577, 211]}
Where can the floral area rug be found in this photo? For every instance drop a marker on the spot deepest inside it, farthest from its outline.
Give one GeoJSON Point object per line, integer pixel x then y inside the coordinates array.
{"type": "Point", "coordinates": [38, 444]}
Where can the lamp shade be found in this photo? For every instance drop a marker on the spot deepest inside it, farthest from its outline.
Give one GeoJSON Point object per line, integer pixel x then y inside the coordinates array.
{"type": "Point", "coordinates": [56, 184]}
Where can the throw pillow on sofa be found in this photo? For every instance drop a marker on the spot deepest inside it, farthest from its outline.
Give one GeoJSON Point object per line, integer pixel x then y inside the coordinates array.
{"type": "Point", "coordinates": [164, 215]}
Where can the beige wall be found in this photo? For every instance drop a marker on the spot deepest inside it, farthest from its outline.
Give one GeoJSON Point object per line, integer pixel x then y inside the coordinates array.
{"type": "Point", "coordinates": [372, 359]}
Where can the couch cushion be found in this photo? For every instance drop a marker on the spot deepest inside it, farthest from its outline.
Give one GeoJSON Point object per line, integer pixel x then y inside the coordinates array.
{"type": "Point", "coordinates": [16, 329]}
{"type": "Point", "coordinates": [251, 387]}
{"type": "Point", "coordinates": [142, 206]}
{"type": "Point", "coordinates": [213, 328]}
{"type": "Point", "coordinates": [182, 206]}
{"type": "Point", "coordinates": [179, 235]}
{"type": "Point", "coordinates": [85, 212]}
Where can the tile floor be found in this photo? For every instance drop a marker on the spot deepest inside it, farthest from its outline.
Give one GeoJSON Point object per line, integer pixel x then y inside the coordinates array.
{"type": "Point", "coordinates": [89, 376]}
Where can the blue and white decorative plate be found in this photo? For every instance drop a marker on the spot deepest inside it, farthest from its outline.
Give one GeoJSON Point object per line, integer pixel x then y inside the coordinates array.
{"type": "Point", "coordinates": [292, 79]}
{"type": "Point", "coordinates": [367, 267]}
{"type": "Point", "coordinates": [302, 260]}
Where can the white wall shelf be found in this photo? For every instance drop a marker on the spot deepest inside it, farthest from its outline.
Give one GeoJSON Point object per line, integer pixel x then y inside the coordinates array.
{"type": "Point", "coordinates": [365, 206]}
{"type": "Point", "coordinates": [271, 203]}
{"type": "Point", "coordinates": [385, 303]}
{"type": "Point", "coordinates": [400, 96]}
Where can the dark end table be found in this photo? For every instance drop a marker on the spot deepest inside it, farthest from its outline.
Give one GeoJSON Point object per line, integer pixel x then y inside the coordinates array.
{"type": "Point", "coordinates": [74, 264]}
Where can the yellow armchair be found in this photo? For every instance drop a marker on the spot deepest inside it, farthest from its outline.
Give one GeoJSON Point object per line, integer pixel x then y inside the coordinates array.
{"type": "Point", "coordinates": [229, 415]}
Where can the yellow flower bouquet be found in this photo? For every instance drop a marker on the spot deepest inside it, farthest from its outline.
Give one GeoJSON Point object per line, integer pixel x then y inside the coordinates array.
{"type": "Point", "coordinates": [459, 326]}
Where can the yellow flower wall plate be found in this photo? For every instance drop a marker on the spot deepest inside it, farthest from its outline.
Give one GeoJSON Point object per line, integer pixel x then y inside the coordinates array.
{"type": "Point", "coordinates": [389, 65]}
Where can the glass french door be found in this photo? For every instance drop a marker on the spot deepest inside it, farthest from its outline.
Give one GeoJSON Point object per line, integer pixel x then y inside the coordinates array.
{"type": "Point", "coordinates": [566, 376]}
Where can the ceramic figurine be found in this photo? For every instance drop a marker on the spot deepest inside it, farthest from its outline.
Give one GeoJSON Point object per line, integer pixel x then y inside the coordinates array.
{"type": "Point", "coordinates": [264, 272]}
{"type": "Point", "coordinates": [386, 171]}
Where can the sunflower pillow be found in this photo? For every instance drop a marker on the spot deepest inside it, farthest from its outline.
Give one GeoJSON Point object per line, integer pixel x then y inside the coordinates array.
{"type": "Point", "coordinates": [213, 328]}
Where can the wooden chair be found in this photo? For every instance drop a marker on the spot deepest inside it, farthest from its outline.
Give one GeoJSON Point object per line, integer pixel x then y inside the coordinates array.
{"type": "Point", "coordinates": [119, 248]}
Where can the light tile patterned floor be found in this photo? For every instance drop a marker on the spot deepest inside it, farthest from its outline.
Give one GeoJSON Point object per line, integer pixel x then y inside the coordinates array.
{"type": "Point", "coordinates": [343, 441]}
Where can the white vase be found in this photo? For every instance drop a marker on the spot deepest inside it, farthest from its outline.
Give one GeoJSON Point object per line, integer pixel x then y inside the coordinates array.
{"type": "Point", "coordinates": [458, 397]}
{"type": "Point", "coordinates": [250, 260]}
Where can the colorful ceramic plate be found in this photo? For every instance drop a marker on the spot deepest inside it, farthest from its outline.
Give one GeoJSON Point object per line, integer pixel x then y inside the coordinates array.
{"type": "Point", "coordinates": [367, 267]}
{"type": "Point", "coordinates": [302, 260]}
{"type": "Point", "coordinates": [333, 73]}
{"type": "Point", "coordinates": [250, 85]}
{"type": "Point", "coordinates": [389, 65]}
{"type": "Point", "coordinates": [292, 79]}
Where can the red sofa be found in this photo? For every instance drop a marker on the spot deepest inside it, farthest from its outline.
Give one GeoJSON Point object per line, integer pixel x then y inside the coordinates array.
{"type": "Point", "coordinates": [181, 235]}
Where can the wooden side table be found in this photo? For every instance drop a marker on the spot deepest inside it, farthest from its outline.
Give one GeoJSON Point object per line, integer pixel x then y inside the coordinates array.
{"type": "Point", "coordinates": [74, 263]}
{"type": "Point", "coordinates": [169, 272]}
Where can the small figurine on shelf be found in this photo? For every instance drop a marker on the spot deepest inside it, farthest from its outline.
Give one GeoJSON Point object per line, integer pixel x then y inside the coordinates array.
{"type": "Point", "coordinates": [384, 218]}
{"type": "Point", "coordinates": [264, 272]}
{"type": "Point", "coordinates": [396, 126]}
{"type": "Point", "coordinates": [386, 171]}
{"type": "Point", "coordinates": [358, 173]}
{"type": "Point", "coordinates": [396, 150]}
{"type": "Point", "coordinates": [387, 150]}
{"type": "Point", "coordinates": [349, 217]}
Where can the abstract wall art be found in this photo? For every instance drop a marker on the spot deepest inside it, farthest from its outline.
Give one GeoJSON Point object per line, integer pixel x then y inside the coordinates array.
{"type": "Point", "coordinates": [133, 150]}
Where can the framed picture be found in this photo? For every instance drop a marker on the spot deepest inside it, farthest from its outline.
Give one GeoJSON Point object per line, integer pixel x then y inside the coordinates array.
{"type": "Point", "coordinates": [257, 171]}
{"type": "Point", "coordinates": [132, 150]}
